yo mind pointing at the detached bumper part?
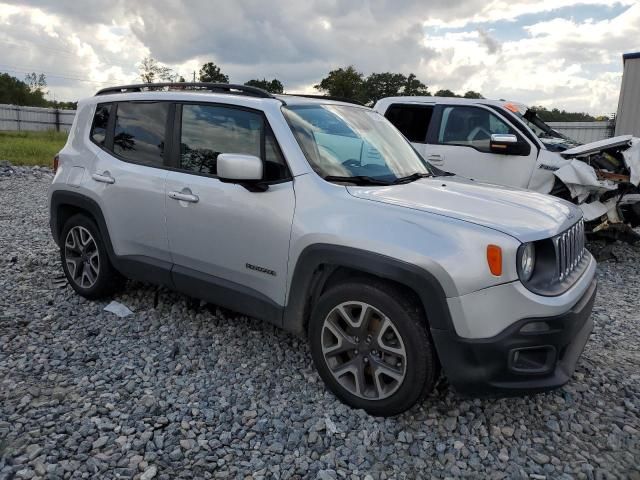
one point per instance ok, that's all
(535, 354)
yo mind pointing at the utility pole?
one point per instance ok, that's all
(194, 76)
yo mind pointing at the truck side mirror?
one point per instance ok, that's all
(507, 144)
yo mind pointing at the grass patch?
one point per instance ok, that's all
(31, 148)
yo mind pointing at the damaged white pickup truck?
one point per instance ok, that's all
(505, 143)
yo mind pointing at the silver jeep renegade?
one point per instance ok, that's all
(317, 215)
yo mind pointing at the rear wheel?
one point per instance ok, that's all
(84, 259)
(370, 344)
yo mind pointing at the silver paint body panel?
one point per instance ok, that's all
(442, 225)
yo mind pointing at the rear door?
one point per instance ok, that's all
(413, 120)
(129, 177)
(228, 235)
(459, 142)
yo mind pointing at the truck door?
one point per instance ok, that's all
(459, 141)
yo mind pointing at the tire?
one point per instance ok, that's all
(401, 366)
(85, 260)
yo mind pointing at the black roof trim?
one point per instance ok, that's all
(212, 87)
(327, 97)
(629, 56)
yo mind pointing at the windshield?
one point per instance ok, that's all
(539, 127)
(552, 139)
(345, 143)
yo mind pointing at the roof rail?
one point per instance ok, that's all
(327, 97)
(212, 87)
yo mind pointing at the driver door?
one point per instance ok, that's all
(459, 142)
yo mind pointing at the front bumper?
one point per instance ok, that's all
(514, 361)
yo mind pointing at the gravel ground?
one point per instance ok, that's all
(180, 390)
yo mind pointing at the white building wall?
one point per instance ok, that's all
(584, 132)
(628, 117)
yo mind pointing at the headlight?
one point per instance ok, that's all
(526, 261)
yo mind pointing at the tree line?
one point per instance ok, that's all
(557, 115)
(28, 93)
(344, 82)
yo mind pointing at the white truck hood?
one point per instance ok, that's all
(595, 147)
(522, 214)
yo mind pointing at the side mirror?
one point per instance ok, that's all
(239, 168)
(508, 144)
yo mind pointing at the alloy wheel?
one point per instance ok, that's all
(82, 257)
(363, 350)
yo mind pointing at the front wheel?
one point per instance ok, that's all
(370, 344)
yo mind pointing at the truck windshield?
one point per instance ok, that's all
(354, 144)
(539, 127)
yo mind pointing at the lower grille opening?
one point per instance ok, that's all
(532, 360)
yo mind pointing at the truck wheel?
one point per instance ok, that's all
(370, 344)
(85, 261)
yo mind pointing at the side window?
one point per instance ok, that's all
(140, 132)
(470, 126)
(412, 120)
(100, 122)
(209, 130)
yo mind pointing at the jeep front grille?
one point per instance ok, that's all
(570, 249)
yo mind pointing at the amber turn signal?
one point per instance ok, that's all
(494, 259)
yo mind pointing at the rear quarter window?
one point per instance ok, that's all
(100, 121)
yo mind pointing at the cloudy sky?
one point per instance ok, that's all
(564, 53)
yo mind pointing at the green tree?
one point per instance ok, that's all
(414, 87)
(150, 70)
(344, 82)
(210, 72)
(445, 93)
(63, 105)
(557, 115)
(273, 86)
(380, 85)
(16, 92)
(36, 83)
(472, 94)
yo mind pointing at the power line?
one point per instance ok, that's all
(40, 45)
(22, 69)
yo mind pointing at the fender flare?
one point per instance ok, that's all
(306, 275)
(60, 198)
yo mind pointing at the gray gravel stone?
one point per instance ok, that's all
(181, 389)
(149, 473)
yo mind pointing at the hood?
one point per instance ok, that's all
(522, 214)
(600, 145)
(557, 144)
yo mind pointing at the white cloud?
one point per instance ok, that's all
(560, 61)
(497, 10)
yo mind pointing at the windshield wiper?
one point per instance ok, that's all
(357, 180)
(411, 178)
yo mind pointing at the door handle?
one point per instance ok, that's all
(435, 158)
(184, 196)
(104, 177)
